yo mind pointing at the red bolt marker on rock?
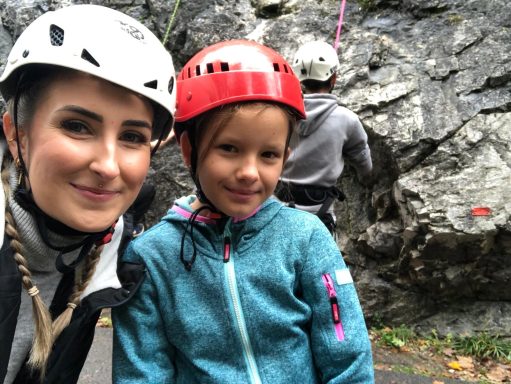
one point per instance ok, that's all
(481, 211)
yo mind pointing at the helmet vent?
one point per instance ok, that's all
(224, 67)
(285, 68)
(210, 68)
(151, 84)
(322, 59)
(88, 57)
(197, 70)
(171, 85)
(56, 35)
(276, 67)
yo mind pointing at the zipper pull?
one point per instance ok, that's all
(227, 249)
(335, 310)
(332, 295)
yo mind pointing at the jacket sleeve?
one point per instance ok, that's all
(141, 353)
(339, 338)
(356, 150)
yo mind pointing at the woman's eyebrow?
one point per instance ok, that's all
(94, 116)
(137, 123)
(82, 111)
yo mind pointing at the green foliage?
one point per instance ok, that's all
(455, 19)
(395, 337)
(436, 343)
(484, 345)
(377, 321)
(367, 5)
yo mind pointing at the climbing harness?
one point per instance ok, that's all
(308, 195)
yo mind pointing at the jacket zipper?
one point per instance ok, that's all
(230, 274)
(334, 306)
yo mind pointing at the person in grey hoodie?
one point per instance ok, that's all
(329, 135)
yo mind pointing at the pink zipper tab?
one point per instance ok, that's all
(334, 306)
(227, 249)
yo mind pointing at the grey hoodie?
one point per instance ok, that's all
(328, 135)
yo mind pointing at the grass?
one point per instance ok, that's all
(484, 346)
(479, 346)
(481, 358)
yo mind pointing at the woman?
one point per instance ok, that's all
(87, 90)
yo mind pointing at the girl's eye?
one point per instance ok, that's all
(227, 147)
(270, 155)
(75, 126)
(135, 137)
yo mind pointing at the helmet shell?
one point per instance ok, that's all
(102, 42)
(236, 71)
(315, 60)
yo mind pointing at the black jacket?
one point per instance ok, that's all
(71, 348)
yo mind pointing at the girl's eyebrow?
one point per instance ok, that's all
(94, 116)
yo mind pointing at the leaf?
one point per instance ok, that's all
(104, 322)
(455, 365)
(499, 374)
(466, 362)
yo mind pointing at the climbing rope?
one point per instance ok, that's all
(339, 25)
(169, 25)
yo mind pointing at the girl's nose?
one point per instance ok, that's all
(248, 170)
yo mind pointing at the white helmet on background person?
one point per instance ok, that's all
(102, 42)
(315, 60)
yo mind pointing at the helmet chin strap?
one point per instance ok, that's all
(201, 196)
(16, 99)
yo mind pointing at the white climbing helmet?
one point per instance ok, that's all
(102, 42)
(315, 60)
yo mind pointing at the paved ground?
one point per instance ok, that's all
(98, 368)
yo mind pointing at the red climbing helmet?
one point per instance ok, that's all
(234, 71)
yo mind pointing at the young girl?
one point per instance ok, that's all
(238, 287)
(87, 90)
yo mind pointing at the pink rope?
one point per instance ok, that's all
(339, 25)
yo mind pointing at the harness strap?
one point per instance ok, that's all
(309, 195)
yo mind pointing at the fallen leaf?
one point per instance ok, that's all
(455, 365)
(466, 362)
(499, 374)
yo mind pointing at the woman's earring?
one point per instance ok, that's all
(19, 169)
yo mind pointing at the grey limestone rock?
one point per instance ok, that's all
(431, 83)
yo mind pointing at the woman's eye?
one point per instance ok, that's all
(135, 137)
(75, 126)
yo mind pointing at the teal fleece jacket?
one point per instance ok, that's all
(268, 300)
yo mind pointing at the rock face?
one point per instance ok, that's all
(431, 82)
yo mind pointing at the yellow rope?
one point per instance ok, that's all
(171, 21)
